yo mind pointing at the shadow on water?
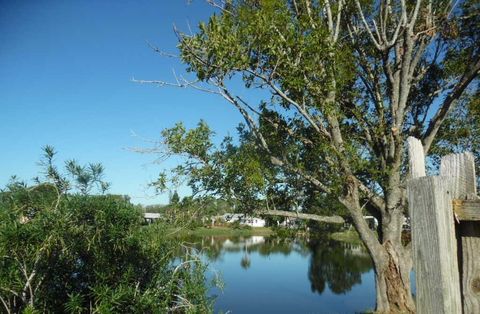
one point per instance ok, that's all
(289, 275)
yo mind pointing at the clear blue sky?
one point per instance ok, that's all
(65, 80)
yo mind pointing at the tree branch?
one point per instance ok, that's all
(367, 27)
(448, 104)
(283, 213)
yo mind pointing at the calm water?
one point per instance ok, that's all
(272, 275)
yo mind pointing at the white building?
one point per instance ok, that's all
(372, 222)
(244, 220)
(234, 217)
(255, 222)
(151, 217)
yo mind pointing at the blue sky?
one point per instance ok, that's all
(65, 80)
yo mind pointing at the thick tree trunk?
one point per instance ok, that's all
(392, 276)
(392, 265)
(392, 261)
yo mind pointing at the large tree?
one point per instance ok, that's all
(344, 83)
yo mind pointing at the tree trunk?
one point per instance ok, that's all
(392, 261)
(392, 277)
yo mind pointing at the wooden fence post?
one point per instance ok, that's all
(433, 238)
(416, 158)
(461, 168)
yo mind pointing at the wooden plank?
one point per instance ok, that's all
(416, 158)
(434, 246)
(467, 210)
(461, 167)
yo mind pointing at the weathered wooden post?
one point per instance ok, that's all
(461, 168)
(433, 238)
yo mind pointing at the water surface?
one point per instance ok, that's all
(273, 275)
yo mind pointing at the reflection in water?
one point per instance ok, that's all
(338, 265)
(334, 264)
(245, 262)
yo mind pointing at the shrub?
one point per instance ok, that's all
(91, 253)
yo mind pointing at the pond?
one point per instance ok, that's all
(274, 275)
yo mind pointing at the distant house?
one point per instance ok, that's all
(372, 222)
(151, 217)
(244, 220)
(255, 222)
(234, 217)
(289, 222)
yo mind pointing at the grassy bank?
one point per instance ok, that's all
(349, 236)
(224, 231)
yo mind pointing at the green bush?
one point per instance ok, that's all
(238, 226)
(79, 254)
(285, 232)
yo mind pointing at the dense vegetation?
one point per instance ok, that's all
(64, 250)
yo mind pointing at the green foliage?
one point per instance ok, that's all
(236, 225)
(285, 232)
(262, 35)
(79, 253)
(244, 178)
(234, 173)
(288, 50)
(83, 178)
(175, 199)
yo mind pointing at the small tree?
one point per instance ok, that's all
(175, 199)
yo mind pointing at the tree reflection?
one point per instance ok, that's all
(334, 264)
(338, 265)
(246, 261)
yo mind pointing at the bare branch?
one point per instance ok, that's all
(309, 13)
(414, 16)
(301, 109)
(367, 27)
(287, 166)
(339, 18)
(329, 16)
(219, 5)
(181, 83)
(161, 52)
(225, 93)
(377, 201)
(400, 24)
(7, 309)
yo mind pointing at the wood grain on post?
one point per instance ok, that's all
(467, 210)
(434, 246)
(433, 237)
(461, 167)
(416, 158)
